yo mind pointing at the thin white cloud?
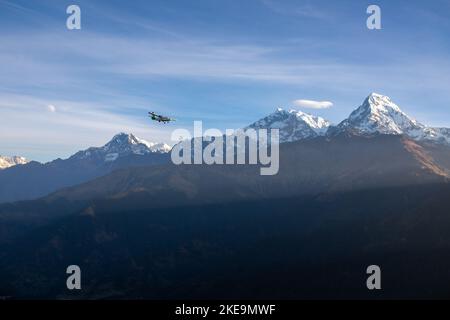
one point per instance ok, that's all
(15, 6)
(312, 104)
(305, 10)
(98, 55)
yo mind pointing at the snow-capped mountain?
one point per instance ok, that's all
(6, 162)
(379, 115)
(121, 145)
(293, 124)
(34, 179)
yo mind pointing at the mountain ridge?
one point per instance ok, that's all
(294, 125)
(378, 114)
(34, 179)
(317, 166)
(122, 144)
(164, 231)
(342, 163)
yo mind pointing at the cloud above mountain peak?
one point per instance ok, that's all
(312, 104)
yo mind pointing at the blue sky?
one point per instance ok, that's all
(227, 63)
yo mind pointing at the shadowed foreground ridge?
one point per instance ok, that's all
(163, 232)
(301, 247)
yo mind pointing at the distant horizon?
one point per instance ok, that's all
(66, 90)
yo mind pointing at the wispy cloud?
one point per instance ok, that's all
(299, 10)
(94, 56)
(15, 6)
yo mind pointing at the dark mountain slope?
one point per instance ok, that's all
(36, 180)
(296, 247)
(306, 167)
(337, 205)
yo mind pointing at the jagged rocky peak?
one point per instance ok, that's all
(293, 124)
(379, 115)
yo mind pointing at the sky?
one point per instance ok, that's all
(226, 63)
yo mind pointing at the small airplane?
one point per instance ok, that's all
(159, 118)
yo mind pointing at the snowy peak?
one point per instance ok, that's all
(123, 143)
(380, 103)
(293, 125)
(122, 139)
(318, 124)
(120, 145)
(7, 162)
(378, 114)
(129, 143)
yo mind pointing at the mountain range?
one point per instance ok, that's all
(33, 179)
(372, 189)
(172, 232)
(127, 173)
(377, 115)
